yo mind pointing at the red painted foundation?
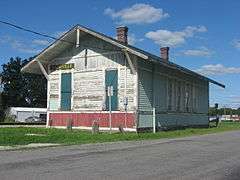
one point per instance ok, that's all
(87, 119)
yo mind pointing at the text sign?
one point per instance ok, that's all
(61, 67)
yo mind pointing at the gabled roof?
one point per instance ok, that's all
(69, 39)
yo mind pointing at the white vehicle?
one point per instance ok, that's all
(26, 114)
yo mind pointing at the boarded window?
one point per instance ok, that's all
(170, 94)
(178, 87)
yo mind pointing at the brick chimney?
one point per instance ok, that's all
(122, 33)
(164, 53)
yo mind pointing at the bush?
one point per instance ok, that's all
(9, 119)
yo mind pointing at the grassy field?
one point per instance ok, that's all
(23, 136)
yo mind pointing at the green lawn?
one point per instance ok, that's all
(18, 136)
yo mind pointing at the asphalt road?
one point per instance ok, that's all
(215, 156)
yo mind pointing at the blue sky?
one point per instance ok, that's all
(203, 35)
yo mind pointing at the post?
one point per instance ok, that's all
(154, 120)
(77, 38)
(125, 107)
(110, 93)
(43, 70)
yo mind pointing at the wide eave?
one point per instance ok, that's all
(69, 39)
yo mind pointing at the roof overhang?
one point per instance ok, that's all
(188, 72)
(70, 38)
(67, 40)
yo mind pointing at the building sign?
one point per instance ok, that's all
(61, 67)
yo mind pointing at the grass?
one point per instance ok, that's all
(17, 136)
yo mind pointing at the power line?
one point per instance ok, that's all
(31, 31)
(49, 36)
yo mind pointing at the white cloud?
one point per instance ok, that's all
(132, 39)
(217, 69)
(174, 38)
(40, 42)
(202, 51)
(236, 43)
(19, 45)
(137, 14)
(27, 46)
(22, 47)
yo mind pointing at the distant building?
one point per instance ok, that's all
(22, 114)
(230, 118)
(85, 69)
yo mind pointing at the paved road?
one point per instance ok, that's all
(215, 156)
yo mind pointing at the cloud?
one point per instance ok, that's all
(44, 42)
(174, 38)
(19, 45)
(133, 40)
(28, 46)
(22, 47)
(40, 42)
(217, 69)
(236, 43)
(202, 52)
(137, 14)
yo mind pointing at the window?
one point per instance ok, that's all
(194, 98)
(178, 96)
(181, 96)
(170, 94)
(187, 97)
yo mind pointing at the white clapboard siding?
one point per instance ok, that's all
(130, 93)
(53, 91)
(88, 90)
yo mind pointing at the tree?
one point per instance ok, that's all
(20, 89)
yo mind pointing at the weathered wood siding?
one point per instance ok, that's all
(88, 90)
(91, 59)
(165, 89)
(54, 91)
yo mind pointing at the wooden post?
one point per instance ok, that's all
(129, 62)
(77, 38)
(110, 93)
(43, 70)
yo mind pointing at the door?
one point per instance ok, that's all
(111, 79)
(66, 91)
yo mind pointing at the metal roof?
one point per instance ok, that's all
(68, 39)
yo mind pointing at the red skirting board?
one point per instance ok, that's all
(87, 119)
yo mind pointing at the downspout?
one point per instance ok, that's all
(125, 93)
(153, 99)
(137, 94)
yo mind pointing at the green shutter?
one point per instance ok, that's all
(66, 91)
(111, 79)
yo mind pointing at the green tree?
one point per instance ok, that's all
(20, 89)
